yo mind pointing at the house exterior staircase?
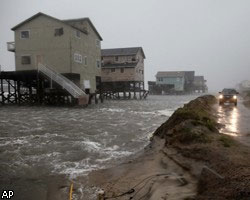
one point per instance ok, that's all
(65, 83)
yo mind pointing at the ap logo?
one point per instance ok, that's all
(7, 194)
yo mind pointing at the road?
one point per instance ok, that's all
(236, 121)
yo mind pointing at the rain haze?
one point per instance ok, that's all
(124, 99)
(211, 37)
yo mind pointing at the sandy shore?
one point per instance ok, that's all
(151, 173)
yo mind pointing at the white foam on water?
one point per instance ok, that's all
(142, 113)
(119, 154)
(114, 125)
(53, 154)
(105, 133)
(20, 141)
(112, 110)
(90, 146)
(3, 121)
(103, 160)
(75, 169)
(166, 112)
(6, 143)
(85, 166)
(74, 172)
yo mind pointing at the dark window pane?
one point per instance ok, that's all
(58, 31)
(78, 34)
(25, 34)
(25, 60)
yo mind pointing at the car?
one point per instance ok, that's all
(228, 95)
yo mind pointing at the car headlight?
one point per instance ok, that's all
(221, 96)
(235, 97)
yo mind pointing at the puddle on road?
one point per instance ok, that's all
(235, 121)
(228, 116)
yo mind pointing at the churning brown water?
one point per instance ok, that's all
(39, 144)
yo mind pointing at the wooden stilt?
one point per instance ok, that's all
(18, 93)
(15, 92)
(96, 100)
(2, 92)
(30, 94)
(140, 90)
(134, 90)
(101, 97)
(8, 96)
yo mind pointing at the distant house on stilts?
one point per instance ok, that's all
(123, 73)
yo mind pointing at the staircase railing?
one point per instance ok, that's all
(67, 84)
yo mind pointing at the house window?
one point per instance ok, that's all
(116, 58)
(58, 31)
(78, 34)
(26, 60)
(133, 59)
(25, 34)
(160, 79)
(113, 70)
(98, 43)
(85, 60)
(78, 58)
(122, 70)
(98, 63)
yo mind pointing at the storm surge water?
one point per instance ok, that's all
(39, 142)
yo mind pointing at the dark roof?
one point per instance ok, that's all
(189, 75)
(151, 83)
(67, 22)
(120, 65)
(170, 74)
(71, 21)
(199, 78)
(122, 51)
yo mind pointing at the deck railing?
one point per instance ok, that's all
(11, 46)
(67, 84)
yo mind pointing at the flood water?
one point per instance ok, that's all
(38, 142)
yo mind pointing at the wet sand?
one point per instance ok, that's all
(151, 175)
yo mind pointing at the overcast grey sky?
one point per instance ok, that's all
(211, 37)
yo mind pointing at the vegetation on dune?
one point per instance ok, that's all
(226, 141)
(194, 133)
(188, 135)
(199, 117)
(191, 124)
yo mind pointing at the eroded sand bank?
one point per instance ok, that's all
(188, 158)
